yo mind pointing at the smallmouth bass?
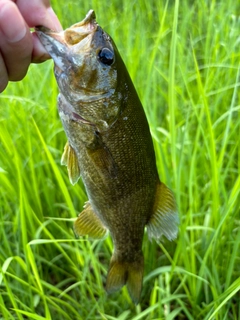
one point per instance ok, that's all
(110, 147)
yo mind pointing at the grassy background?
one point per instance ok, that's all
(184, 60)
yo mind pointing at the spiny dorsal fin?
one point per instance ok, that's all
(164, 220)
(69, 159)
(89, 224)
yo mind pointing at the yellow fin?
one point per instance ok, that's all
(89, 224)
(164, 220)
(129, 273)
(69, 159)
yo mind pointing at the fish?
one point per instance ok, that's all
(109, 145)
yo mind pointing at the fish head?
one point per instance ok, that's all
(86, 69)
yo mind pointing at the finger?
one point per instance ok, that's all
(39, 53)
(15, 41)
(39, 12)
(36, 12)
(3, 75)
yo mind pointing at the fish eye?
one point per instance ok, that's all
(106, 56)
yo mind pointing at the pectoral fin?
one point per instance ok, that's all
(89, 224)
(103, 160)
(69, 159)
(164, 220)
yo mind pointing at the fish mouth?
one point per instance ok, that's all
(59, 45)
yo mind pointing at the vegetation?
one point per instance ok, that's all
(183, 57)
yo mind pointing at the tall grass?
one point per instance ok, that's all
(183, 57)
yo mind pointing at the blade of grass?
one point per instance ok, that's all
(171, 91)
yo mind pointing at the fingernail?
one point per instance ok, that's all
(12, 24)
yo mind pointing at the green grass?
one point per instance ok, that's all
(183, 57)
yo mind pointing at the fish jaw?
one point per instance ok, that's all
(54, 47)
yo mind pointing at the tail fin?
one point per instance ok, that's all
(129, 273)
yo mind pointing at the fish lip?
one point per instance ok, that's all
(47, 35)
(43, 29)
(89, 19)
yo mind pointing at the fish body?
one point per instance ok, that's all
(110, 147)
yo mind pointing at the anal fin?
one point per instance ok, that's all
(69, 159)
(164, 220)
(89, 224)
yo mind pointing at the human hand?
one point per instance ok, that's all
(18, 46)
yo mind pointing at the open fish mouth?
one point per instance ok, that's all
(75, 33)
(60, 44)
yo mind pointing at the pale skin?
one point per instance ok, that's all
(18, 45)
